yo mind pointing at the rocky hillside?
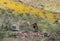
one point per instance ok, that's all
(51, 5)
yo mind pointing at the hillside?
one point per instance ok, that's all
(29, 20)
(19, 7)
(51, 5)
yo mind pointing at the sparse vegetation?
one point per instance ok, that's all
(24, 16)
(25, 24)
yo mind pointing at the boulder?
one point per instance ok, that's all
(15, 27)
